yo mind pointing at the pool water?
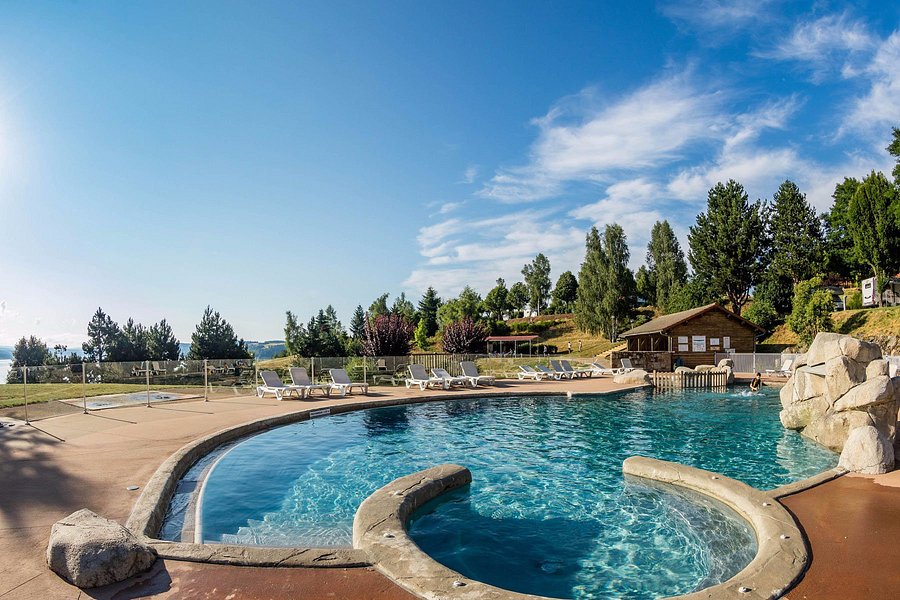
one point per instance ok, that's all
(548, 511)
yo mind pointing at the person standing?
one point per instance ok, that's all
(579, 346)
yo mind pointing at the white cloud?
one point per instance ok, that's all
(470, 174)
(713, 15)
(448, 207)
(577, 141)
(881, 104)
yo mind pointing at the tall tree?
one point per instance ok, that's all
(811, 311)
(495, 303)
(428, 311)
(30, 352)
(840, 257)
(387, 335)
(103, 334)
(467, 304)
(564, 294)
(796, 234)
(517, 298)
(162, 343)
(606, 286)
(894, 150)
(873, 226)
(729, 245)
(214, 338)
(356, 323)
(379, 306)
(644, 287)
(666, 267)
(463, 336)
(537, 280)
(294, 336)
(403, 307)
(131, 345)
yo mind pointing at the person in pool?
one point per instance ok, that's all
(756, 383)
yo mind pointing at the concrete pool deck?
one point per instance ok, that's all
(62, 464)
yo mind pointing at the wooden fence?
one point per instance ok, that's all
(690, 379)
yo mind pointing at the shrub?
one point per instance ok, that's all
(762, 313)
(463, 336)
(387, 335)
(854, 301)
(812, 310)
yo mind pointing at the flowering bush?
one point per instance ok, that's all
(387, 335)
(464, 336)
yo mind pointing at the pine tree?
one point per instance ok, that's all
(379, 306)
(162, 343)
(590, 285)
(428, 311)
(103, 334)
(131, 345)
(214, 338)
(874, 227)
(404, 308)
(840, 257)
(666, 267)
(294, 336)
(894, 150)
(537, 280)
(796, 235)
(606, 286)
(729, 245)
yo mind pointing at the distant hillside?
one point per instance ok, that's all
(6, 352)
(261, 350)
(880, 325)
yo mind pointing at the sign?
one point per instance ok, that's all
(726, 342)
(683, 347)
(698, 343)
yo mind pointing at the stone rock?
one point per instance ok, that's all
(800, 361)
(787, 393)
(884, 418)
(831, 430)
(823, 347)
(841, 374)
(726, 362)
(704, 368)
(638, 376)
(808, 384)
(800, 414)
(858, 350)
(683, 370)
(867, 451)
(877, 367)
(89, 550)
(729, 371)
(873, 391)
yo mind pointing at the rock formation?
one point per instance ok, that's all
(839, 385)
(89, 550)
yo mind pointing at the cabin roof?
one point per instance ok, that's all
(666, 322)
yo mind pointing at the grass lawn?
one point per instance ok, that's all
(11, 394)
(866, 322)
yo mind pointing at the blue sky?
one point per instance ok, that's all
(157, 157)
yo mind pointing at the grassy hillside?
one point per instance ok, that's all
(879, 324)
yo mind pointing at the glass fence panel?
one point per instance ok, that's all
(42, 392)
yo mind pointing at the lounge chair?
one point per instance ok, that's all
(556, 366)
(579, 372)
(598, 369)
(340, 381)
(526, 372)
(157, 370)
(300, 380)
(449, 379)
(418, 376)
(272, 384)
(626, 365)
(470, 372)
(784, 371)
(549, 373)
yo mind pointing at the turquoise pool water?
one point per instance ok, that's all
(548, 511)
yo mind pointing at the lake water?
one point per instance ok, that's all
(5, 365)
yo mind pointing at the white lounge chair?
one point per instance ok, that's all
(300, 380)
(272, 384)
(340, 381)
(555, 365)
(418, 376)
(784, 371)
(579, 372)
(626, 365)
(526, 372)
(470, 372)
(448, 378)
(549, 373)
(598, 369)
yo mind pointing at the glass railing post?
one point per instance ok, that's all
(147, 371)
(205, 381)
(25, 390)
(84, 388)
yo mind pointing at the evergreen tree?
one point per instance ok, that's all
(840, 258)
(421, 336)
(666, 267)
(294, 336)
(379, 307)
(495, 303)
(332, 337)
(537, 280)
(564, 294)
(591, 286)
(606, 286)
(30, 352)
(729, 245)
(428, 311)
(796, 234)
(894, 150)
(404, 308)
(214, 338)
(517, 298)
(131, 345)
(874, 227)
(162, 343)
(644, 287)
(697, 291)
(356, 323)
(103, 334)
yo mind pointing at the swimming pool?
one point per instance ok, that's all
(548, 511)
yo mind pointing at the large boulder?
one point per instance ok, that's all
(831, 430)
(823, 347)
(868, 451)
(809, 382)
(877, 367)
(726, 362)
(786, 394)
(800, 414)
(879, 390)
(858, 350)
(635, 377)
(704, 368)
(89, 551)
(683, 370)
(841, 374)
(729, 378)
